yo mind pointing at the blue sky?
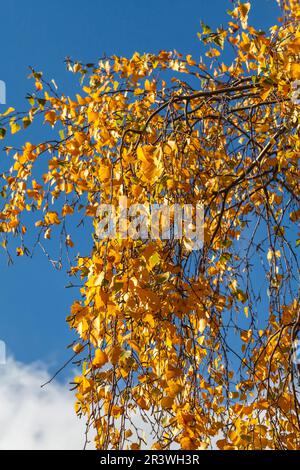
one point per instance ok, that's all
(33, 299)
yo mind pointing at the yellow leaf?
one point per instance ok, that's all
(167, 402)
(142, 403)
(69, 241)
(81, 101)
(295, 71)
(26, 122)
(173, 372)
(8, 111)
(67, 210)
(117, 411)
(244, 9)
(51, 117)
(47, 234)
(202, 325)
(151, 164)
(85, 385)
(213, 52)
(189, 60)
(14, 127)
(221, 443)
(246, 335)
(135, 446)
(187, 443)
(149, 319)
(78, 348)
(105, 173)
(20, 251)
(100, 359)
(294, 216)
(51, 218)
(134, 345)
(266, 93)
(173, 389)
(92, 115)
(149, 86)
(38, 85)
(115, 355)
(153, 260)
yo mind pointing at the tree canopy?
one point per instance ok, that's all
(197, 343)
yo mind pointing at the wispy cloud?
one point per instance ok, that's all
(36, 418)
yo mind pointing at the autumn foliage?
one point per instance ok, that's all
(197, 343)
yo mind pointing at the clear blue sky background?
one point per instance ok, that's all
(33, 300)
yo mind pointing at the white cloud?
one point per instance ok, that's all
(36, 418)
